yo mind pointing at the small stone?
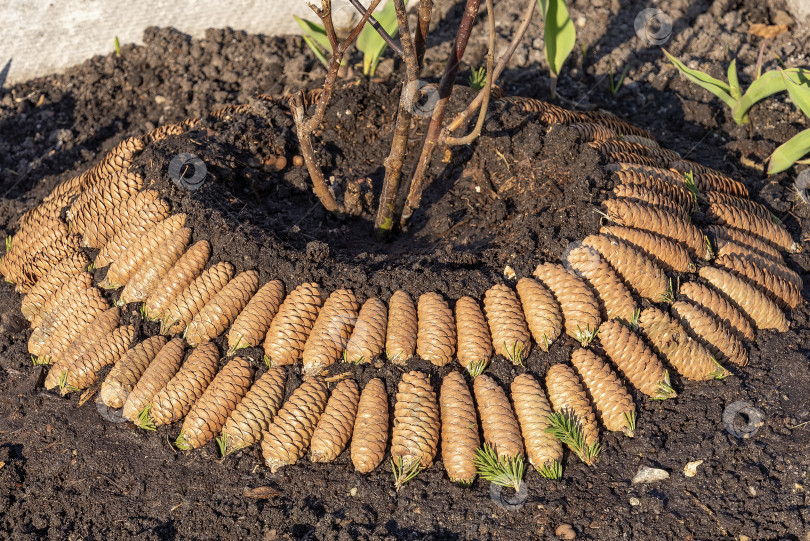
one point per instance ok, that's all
(635, 502)
(160, 100)
(645, 474)
(353, 492)
(690, 470)
(565, 531)
(509, 273)
(744, 538)
(298, 161)
(581, 22)
(752, 491)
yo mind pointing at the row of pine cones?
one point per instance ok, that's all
(596, 291)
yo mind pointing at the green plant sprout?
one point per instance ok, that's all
(559, 36)
(478, 78)
(371, 43)
(616, 84)
(117, 47)
(315, 37)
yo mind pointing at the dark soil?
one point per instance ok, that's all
(517, 197)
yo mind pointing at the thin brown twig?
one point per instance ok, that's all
(380, 30)
(422, 29)
(308, 153)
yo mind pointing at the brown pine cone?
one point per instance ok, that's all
(256, 411)
(46, 287)
(176, 399)
(288, 436)
(75, 285)
(614, 123)
(159, 372)
(460, 438)
(218, 314)
(127, 371)
(143, 208)
(569, 398)
(66, 322)
(671, 342)
(148, 277)
(639, 272)
(657, 221)
(285, 341)
(103, 325)
(664, 184)
(416, 425)
(663, 155)
(501, 429)
(579, 307)
(125, 262)
(589, 131)
(400, 339)
(719, 306)
(756, 305)
(188, 303)
(766, 264)
(636, 193)
(610, 397)
(30, 239)
(741, 203)
(206, 419)
(510, 333)
(44, 260)
(253, 322)
(330, 334)
(102, 197)
(83, 372)
(370, 433)
(543, 313)
(721, 235)
(670, 254)
(180, 276)
(709, 180)
(127, 237)
(533, 410)
(711, 332)
(614, 298)
(634, 358)
(335, 425)
(782, 291)
(763, 228)
(436, 334)
(633, 158)
(368, 338)
(474, 343)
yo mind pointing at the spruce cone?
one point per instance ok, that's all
(206, 419)
(589, 131)
(416, 423)
(83, 372)
(642, 368)
(127, 237)
(719, 306)
(741, 203)
(67, 321)
(532, 408)
(510, 333)
(370, 428)
(142, 209)
(658, 221)
(755, 225)
(763, 312)
(543, 313)
(43, 261)
(711, 332)
(400, 338)
(671, 341)
(474, 343)
(100, 198)
(103, 325)
(569, 398)
(188, 303)
(159, 372)
(664, 155)
(633, 158)
(75, 285)
(709, 180)
(640, 273)
(501, 429)
(335, 425)
(148, 277)
(179, 277)
(330, 334)
(610, 396)
(253, 322)
(636, 193)
(722, 235)
(664, 184)
(288, 436)
(59, 275)
(128, 261)
(615, 299)
(218, 314)
(284, 343)
(368, 338)
(175, 400)
(769, 265)
(436, 335)
(28, 242)
(127, 371)
(256, 411)
(777, 288)
(668, 253)
(578, 304)
(459, 429)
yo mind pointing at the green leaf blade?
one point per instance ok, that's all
(559, 33)
(789, 153)
(705, 81)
